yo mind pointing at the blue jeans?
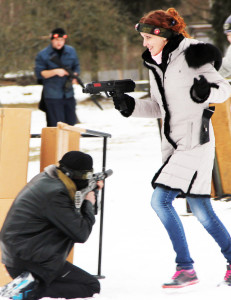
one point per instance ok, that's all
(161, 202)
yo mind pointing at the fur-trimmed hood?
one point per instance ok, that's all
(200, 54)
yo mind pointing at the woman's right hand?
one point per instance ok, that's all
(124, 103)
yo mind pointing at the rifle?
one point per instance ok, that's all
(55, 59)
(92, 185)
(112, 88)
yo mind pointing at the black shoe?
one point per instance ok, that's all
(22, 287)
(182, 278)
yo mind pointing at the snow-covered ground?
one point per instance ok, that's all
(137, 256)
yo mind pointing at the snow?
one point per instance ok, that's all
(29, 94)
(137, 256)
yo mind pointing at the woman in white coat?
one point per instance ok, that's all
(184, 80)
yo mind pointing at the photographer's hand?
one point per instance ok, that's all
(91, 197)
(100, 184)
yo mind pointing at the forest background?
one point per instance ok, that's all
(101, 31)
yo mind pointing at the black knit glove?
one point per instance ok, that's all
(124, 103)
(201, 87)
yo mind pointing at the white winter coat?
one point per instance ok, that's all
(187, 165)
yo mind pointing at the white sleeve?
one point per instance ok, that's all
(146, 108)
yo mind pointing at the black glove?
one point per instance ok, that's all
(124, 103)
(201, 87)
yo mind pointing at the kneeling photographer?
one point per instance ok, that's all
(41, 228)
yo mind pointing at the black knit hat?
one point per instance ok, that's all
(74, 161)
(58, 32)
(77, 160)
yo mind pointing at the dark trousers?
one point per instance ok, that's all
(72, 282)
(60, 110)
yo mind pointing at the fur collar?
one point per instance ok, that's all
(53, 172)
(69, 184)
(200, 54)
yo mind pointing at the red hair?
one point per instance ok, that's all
(169, 19)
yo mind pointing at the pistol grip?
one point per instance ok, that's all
(121, 102)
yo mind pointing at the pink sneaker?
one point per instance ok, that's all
(227, 279)
(182, 278)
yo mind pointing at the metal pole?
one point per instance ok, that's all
(102, 212)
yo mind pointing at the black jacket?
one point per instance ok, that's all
(42, 225)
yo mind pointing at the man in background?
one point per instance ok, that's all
(58, 93)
